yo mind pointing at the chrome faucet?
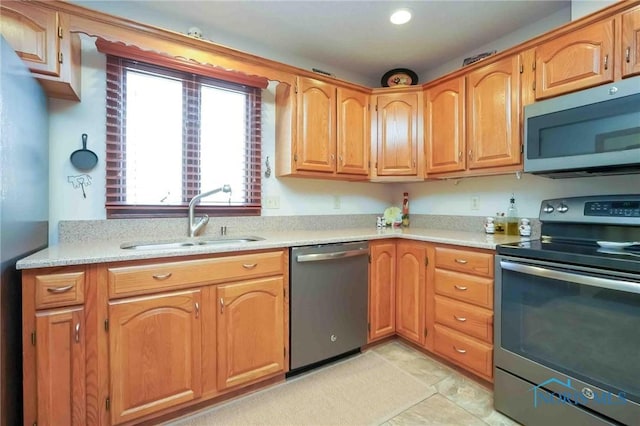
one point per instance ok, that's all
(195, 227)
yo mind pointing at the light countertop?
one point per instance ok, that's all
(110, 251)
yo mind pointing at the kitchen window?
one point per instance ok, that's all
(174, 132)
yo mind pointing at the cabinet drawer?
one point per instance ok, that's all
(463, 350)
(150, 278)
(467, 288)
(471, 262)
(468, 319)
(59, 290)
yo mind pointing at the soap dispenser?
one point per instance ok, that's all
(512, 217)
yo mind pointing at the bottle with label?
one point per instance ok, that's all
(512, 217)
(405, 210)
(499, 223)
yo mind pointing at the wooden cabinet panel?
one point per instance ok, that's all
(464, 260)
(631, 42)
(154, 277)
(316, 125)
(54, 290)
(493, 114)
(468, 319)
(397, 134)
(382, 289)
(155, 353)
(353, 134)
(33, 34)
(464, 287)
(250, 331)
(445, 126)
(465, 351)
(580, 59)
(410, 285)
(60, 360)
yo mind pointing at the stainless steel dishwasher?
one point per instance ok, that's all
(328, 302)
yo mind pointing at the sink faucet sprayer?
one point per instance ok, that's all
(195, 227)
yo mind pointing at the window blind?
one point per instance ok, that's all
(202, 154)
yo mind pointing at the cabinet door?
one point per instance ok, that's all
(353, 127)
(397, 134)
(410, 290)
(493, 114)
(155, 353)
(33, 34)
(580, 59)
(250, 330)
(316, 126)
(631, 42)
(60, 365)
(382, 289)
(444, 127)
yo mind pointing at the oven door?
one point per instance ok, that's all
(574, 331)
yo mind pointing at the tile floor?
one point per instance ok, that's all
(456, 399)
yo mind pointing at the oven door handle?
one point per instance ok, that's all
(611, 284)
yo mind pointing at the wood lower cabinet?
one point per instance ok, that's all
(155, 353)
(60, 374)
(41, 37)
(410, 290)
(382, 289)
(250, 331)
(577, 60)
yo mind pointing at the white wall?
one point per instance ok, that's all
(580, 8)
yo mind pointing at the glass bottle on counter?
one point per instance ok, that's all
(405, 210)
(512, 217)
(499, 223)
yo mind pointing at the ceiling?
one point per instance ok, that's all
(355, 37)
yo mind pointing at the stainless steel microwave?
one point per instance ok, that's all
(595, 131)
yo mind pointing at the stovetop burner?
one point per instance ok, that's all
(571, 228)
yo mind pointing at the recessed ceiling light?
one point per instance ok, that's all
(400, 16)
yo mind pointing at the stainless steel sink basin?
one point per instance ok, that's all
(185, 244)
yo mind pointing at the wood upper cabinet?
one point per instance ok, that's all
(353, 132)
(60, 374)
(155, 353)
(316, 118)
(577, 60)
(41, 37)
(631, 42)
(322, 130)
(382, 289)
(493, 114)
(399, 121)
(445, 126)
(410, 290)
(250, 330)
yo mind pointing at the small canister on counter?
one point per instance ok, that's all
(500, 223)
(525, 228)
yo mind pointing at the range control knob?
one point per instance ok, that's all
(563, 208)
(548, 208)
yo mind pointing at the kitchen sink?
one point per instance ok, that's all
(190, 243)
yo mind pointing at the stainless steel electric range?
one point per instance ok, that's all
(567, 326)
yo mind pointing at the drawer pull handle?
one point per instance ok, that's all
(163, 277)
(460, 287)
(461, 261)
(627, 54)
(77, 333)
(460, 351)
(461, 319)
(606, 62)
(197, 306)
(249, 265)
(221, 305)
(58, 290)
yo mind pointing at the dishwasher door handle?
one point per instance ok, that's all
(316, 257)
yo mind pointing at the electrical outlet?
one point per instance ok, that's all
(475, 203)
(336, 202)
(271, 202)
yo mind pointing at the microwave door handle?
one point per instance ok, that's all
(619, 285)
